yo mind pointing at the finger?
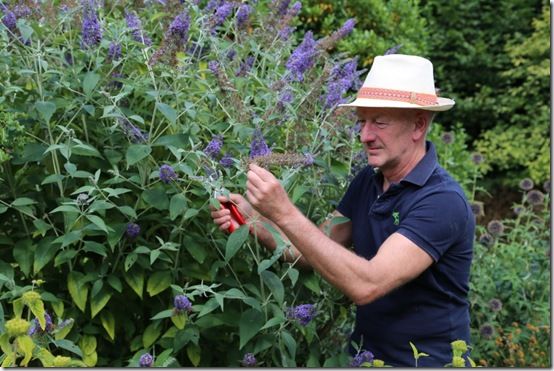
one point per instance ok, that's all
(262, 173)
(225, 226)
(254, 178)
(220, 213)
(222, 220)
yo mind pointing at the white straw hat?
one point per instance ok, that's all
(400, 81)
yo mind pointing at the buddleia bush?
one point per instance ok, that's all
(129, 117)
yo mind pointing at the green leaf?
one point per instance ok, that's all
(128, 211)
(175, 140)
(235, 241)
(158, 282)
(53, 178)
(37, 308)
(179, 320)
(96, 220)
(177, 205)
(137, 152)
(87, 343)
(169, 113)
(98, 302)
(23, 201)
(250, 323)
(77, 289)
(163, 314)
(312, 283)
(273, 322)
(62, 333)
(23, 255)
(130, 260)
(41, 226)
(275, 285)
(290, 343)
(26, 345)
(86, 150)
(68, 345)
(45, 110)
(95, 247)
(150, 335)
(135, 279)
(156, 197)
(44, 253)
(65, 208)
(194, 352)
(89, 82)
(154, 254)
(108, 322)
(115, 282)
(293, 275)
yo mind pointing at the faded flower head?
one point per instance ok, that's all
(486, 240)
(478, 208)
(447, 137)
(477, 158)
(486, 331)
(329, 42)
(146, 360)
(258, 147)
(167, 174)
(495, 305)
(302, 58)
(214, 146)
(36, 328)
(182, 303)
(535, 197)
(132, 230)
(82, 199)
(249, 360)
(308, 159)
(361, 358)
(526, 184)
(303, 313)
(495, 227)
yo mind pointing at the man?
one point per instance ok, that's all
(409, 222)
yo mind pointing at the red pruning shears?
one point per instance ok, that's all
(214, 181)
(235, 214)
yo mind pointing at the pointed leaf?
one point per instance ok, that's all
(89, 82)
(99, 301)
(68, 345)
(169, 113)
(158, 282)
(275, 285)
(193, 352)
(77, 289)
(177, 205)
(137, 152)
(108, 322)
(135, 279)
(26, 345)
(150, 335)
(163, 314)
(45, 110)
(179, 320)
(250, 323)
(235, 241)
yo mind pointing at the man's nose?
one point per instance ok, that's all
(367, 133)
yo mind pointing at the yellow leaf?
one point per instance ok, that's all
(150, 335)
(78, 290)
(87, 344)
(45, 357)
(158, 282)
(179, 320)
(58, 308)
(9, 360)
(90, 359)
(98, 302)
(135, 279)
(37, 307)
(108, 322)
(26, 345)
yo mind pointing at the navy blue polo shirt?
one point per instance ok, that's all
(429, 208)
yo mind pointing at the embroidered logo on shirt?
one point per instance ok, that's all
(396, 217)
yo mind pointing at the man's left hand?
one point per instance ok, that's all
(267, 195)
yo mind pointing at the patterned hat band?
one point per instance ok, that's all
(421, 99)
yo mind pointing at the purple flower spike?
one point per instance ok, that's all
(214, 147)
(114, 51)
(135, 25)
(167, 174)
(182, 303)
(37, 329)
(302, 58)
(242, 15)
(146, 360)
(222, 13)
(365, 356)
(9, 20)
(303, 313)
(226, 160)
(180, 26)
(132, 231)
(259, 147)
(249, 360)
(91, 30)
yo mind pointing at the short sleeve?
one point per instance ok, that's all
(436, 222)
(352, 195)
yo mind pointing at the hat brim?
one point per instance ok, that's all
(443, 104)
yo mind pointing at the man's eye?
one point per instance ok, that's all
(381, 125)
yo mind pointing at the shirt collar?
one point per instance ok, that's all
(424, 168)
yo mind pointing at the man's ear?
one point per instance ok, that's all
(421, 123)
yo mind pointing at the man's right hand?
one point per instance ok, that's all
(222, 217)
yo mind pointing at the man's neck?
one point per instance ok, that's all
(399, 172)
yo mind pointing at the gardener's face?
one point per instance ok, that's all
(387, 135)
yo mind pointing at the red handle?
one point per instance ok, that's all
(235, 214)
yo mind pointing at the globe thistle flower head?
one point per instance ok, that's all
(495, 305)
(495, 227)
(114, 51)
(242, 15)
(518, 210)
(146, 360)
(258, 147)
(486, 331)
(214, 146)
(226, 160)
(478, 208)
(249, 360)
(486, 240)
(477, 158)
(361, 358)
(302, 58)
(546, 186)
(303, 313)
(182, 303)
(526, 184)
(535, 197)
(447, 137)
(132, 230)
(167, 174)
